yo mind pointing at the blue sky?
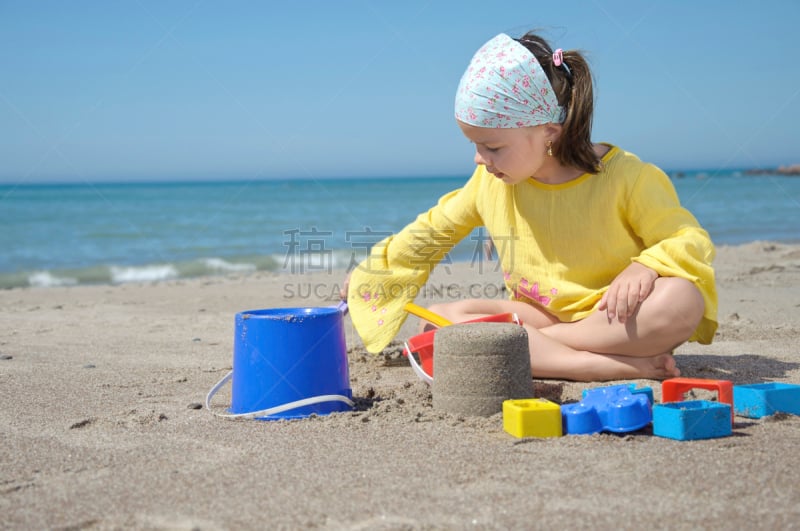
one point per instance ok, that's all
(100, 91)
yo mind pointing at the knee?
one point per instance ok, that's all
(679, 306)
(452, 311)
(446, 310)
(442, 309)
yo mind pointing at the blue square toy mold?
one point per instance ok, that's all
(765, 399)
(692, 419)
(615, 408)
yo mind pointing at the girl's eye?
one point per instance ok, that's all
(492, 150)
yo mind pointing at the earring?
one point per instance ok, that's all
(549, 148)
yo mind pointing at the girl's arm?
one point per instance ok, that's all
(398, 267)
(675, 243)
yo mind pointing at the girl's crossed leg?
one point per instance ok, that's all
(596, 348)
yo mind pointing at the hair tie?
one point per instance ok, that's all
(558, 57)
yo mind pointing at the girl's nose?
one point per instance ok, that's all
(479, 159)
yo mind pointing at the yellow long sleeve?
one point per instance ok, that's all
(398, 267)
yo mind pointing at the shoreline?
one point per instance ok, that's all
(100, 383)
(208, 268)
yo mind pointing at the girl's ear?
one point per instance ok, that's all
(552, 132)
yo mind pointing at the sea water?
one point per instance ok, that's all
(86, 233)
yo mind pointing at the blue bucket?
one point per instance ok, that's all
(289, 363)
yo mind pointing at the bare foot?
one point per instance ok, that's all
(552, 359)
(664, 366)
(590, 367)
(615, 367)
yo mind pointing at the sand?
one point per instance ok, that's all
(99, 387)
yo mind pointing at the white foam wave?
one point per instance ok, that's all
(45, 279)
(218, 264)
(143, 274)
(318, 261)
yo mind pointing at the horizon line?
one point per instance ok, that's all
(220, 179)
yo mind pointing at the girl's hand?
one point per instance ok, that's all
(627, 291)
(343, 289)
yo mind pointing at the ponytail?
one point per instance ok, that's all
(572, 84)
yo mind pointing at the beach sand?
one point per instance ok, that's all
(98, 386)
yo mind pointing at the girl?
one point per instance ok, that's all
(604, 267)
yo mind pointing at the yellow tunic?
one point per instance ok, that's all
(559, 246)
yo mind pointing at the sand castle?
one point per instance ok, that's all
(478, 366)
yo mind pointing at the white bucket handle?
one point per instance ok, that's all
(424, 376)
(275, 409)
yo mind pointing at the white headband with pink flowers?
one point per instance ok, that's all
(504, 87)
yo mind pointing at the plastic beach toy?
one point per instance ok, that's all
(424, 313)
(692, 420)
(532, 417)
(762, 400)
(615, 408)
(422, 345)
(673, 390)
(288, 363)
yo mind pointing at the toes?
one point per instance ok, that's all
(666, 366)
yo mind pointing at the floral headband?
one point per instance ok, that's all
(504, 87)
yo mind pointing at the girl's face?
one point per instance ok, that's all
(513, 155)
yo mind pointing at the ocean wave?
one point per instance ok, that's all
(301, 263)
(125, 274)
(218, 264)
(45, 279)
(150, 273)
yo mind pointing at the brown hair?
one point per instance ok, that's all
(572, 84)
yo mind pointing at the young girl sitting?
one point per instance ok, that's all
(604, 267)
